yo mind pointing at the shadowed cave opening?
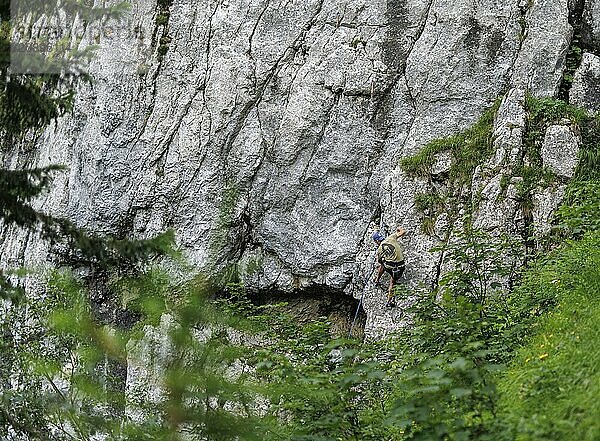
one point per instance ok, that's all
(310, 304)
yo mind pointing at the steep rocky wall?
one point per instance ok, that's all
(269, 131)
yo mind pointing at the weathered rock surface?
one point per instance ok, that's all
(545, 203)
(560, 150)
(270, 131)
(590, 31)
(498, 208)
(147, 361)
(585, 91)
(546, 36)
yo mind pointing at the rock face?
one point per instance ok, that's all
(585, 91)
(498, 208)
(560, 149)
(268, 132)
(591, 22)
(147, 360)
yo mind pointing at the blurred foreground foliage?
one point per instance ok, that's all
(202, 363)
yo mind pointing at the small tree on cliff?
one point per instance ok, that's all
(28, 103)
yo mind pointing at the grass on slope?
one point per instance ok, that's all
(552, 389)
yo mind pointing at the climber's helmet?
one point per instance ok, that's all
(378, 237)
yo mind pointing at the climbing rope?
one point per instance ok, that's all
(362, 296)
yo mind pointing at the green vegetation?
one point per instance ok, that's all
(162, 19)
(481, 360)
(551, 388)
(163, 15)
(470, 367)
(544, 331)
(474, 146)
(222, 245)
(572, 62)
(431, 205)
(579, 210)
(468, 149)
(541, 113)
(28, 103)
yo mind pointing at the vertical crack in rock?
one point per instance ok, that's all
(375, 219)
(541, 61)
(163, 147)
(256, 23)
(287, 103)
(238, 120)
(157, 70)
(523, 25)
(200, 90)
(590, 20)
(208, 67)
(439, 265)
(399, 67)
(240, 114)
(522, 11)
(409, 91)
(576, 47)
(417, 37)
(318, 139)
(395, 56)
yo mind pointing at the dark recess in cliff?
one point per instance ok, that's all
(311, 304)
(583, 41)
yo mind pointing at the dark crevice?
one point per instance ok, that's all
(438, 270)
(581, 42)
(107, 310)
(527, 236)
(575, 51)
(396, 58)
(258, 20)
(160, 44)
(375, 219)
(239, 118)
(581, 12)
(522, 20)
(247, 232)
(160, 159)
(317, 302)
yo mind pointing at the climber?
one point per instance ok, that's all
(391, 260)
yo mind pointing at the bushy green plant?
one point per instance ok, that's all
(572, 62)
(580, 211)
(78, 363)
(241, 371)
(457, 344)
(483, 265)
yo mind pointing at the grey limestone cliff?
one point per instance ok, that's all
(269, 132)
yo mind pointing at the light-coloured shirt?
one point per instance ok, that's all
(390, 250)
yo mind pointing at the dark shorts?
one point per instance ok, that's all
(394, 269)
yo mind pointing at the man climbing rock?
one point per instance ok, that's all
(391, 260)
